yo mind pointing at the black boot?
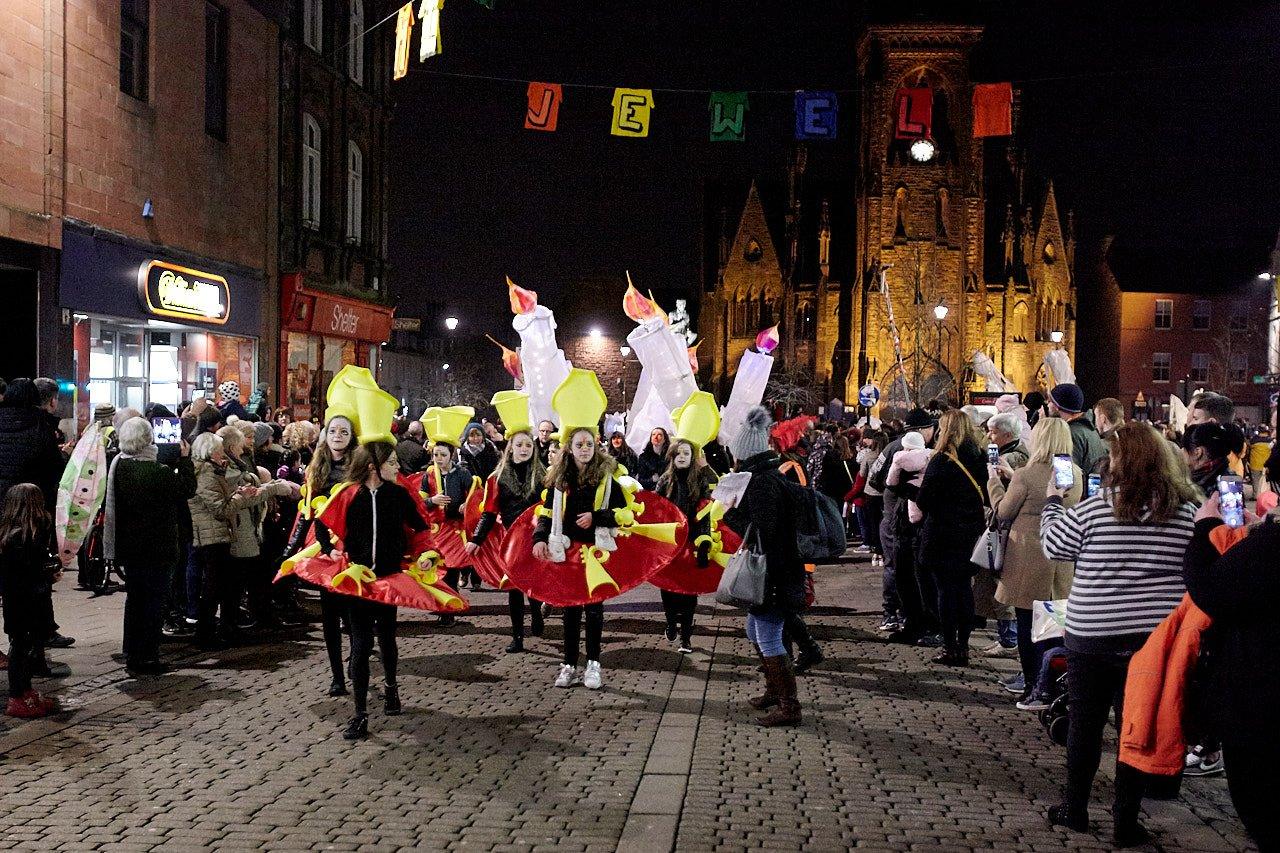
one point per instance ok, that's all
(810, 656)
(391, 700)
(358, 728)
(337, 687)
(516, 645)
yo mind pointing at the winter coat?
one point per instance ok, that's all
(149, 501)
(1015, 454)
(233, 407)
(1238, 590)
(953, 507)
(837, 475)
(1155, 692)
(578, 500)
(500, 502)
(29, 451)
(481, 463)
(679, 494)
(215, 505)
(1087, 447)
(650, 466)
(1029, 575)
(767, 507)
(25, 579)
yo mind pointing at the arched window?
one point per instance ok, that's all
(355, 192)
(942, 212)
(900, 212)
(753, 315)
(806, 321)
(1021, 323)
(355, 50)
(311, 171)
(738, 319)
(313, 24)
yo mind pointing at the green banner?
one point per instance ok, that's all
(728, 116)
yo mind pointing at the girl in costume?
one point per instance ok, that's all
(446, 486)
(585, 539)
(687, 483)
(379, 522)
(510, 490)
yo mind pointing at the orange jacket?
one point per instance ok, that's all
(1155, 692)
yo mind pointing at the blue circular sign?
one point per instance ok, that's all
(868, 395)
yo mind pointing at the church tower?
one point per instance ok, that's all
(919, 213)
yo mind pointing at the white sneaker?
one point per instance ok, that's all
(569, 675)
(591, 678)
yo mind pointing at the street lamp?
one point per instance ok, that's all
(1056, 336)
(451, 323)
(1264, 276)
(444, 366)
(625, 350)
(940, 311)
(595, 333)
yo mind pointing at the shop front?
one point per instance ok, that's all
(152, 326)
(321, 333)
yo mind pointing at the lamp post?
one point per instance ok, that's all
(940, 312)
(1056, 336)
(624, 351)
(451, 323)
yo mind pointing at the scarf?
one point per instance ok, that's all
(147, 454)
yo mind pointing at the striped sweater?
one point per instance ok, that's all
(1128, 577)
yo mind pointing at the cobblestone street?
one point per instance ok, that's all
(243, 750)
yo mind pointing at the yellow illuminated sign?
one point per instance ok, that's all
(168, 290)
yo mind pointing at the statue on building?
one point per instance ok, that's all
(680, 322)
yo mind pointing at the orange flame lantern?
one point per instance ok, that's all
(767, 341)
(522, 301)
(510, 361)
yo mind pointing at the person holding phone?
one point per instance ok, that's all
(1127, 543)
(1207, 448)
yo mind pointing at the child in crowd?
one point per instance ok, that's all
(25, 534)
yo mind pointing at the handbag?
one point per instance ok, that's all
(742, 584)
(988, 551)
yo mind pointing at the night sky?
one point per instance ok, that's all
(1156, 125)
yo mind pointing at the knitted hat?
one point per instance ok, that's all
(229, 390)
(1068, 397)
(918, 418)
(262, 434)
(753, 437)
(913, 441)
(104, 412)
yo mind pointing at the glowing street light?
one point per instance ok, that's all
(1264, 276)
(940, 311)
(595, 333)
(625, 350)
(444, 366)
(1056, 336)
(451, 323)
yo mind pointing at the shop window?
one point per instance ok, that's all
(215, 71)
(134, 18)
(355, 50)
(313, 24)
(1160, 367)
(311, 171)
(355, 192)
(1201, 314)
(1164, 313)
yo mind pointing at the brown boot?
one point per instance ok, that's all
(778, 670)
(770, 696)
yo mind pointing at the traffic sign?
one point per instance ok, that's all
(868, 395)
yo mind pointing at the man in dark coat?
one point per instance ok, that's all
(29, 451)
(410, 452)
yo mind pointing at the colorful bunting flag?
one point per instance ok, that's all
(913, 107)
(816, 114)
(429, 16)
(544, 106)
(631, 108)
(992, 109)
(728, 116)
(404, 31)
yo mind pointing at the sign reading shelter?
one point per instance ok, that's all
(346, 319)
(168, 290)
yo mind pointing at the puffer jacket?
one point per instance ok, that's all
(215, 507)
(29, 451)
(246, 527)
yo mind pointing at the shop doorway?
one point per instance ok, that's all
(19, 345)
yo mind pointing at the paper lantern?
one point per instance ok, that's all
(544, 364)
(748, 390)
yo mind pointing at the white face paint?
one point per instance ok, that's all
(583, 447)
(683, 456)
(442, 455)
(338, 436)
(521, 448)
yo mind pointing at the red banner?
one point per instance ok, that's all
(913, 108)
(992, 109)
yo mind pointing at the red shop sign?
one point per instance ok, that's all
(344, 319)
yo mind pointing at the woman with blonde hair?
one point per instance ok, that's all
(1127, 543)
(1028, 575)
(953, 499)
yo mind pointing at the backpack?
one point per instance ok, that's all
(820, 534)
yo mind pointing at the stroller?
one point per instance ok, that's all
(1054, 718)
(92, 567)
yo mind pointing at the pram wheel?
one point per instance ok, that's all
(1058, 730)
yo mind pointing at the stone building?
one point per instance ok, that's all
(972, 248)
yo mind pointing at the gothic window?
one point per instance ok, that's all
(991, 313)
(753, 252)
(900, 212)
(753, 315)
(807, 321)
(766, 312)
(1050, 253)
(942, 211)
(1021, 330)
(738, 319)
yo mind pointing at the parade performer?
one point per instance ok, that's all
(514, 487)
(446, 486)
(687, 483)
(593, 539)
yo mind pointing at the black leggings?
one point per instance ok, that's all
(333, 607)
(1095, 686)
(1251, 758)
(366, 618)
(679, 608)
(595, 627)
(23, 649)
(515, 607)
(955, 604)
(219, 593)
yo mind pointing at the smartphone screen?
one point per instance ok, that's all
(197, 395)
(1095, 483)
(1062, 476)
(167, 430)
(993, 454)
(1231, 500)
